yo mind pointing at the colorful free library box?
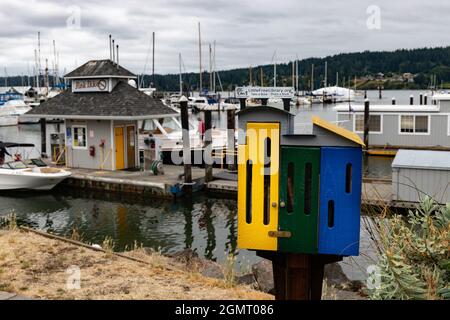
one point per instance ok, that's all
(297, 193)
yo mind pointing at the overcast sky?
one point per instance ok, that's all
(246, 32)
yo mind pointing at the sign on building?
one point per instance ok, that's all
(91, 85)
(265, 92)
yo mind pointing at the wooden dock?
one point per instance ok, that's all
(168, 185)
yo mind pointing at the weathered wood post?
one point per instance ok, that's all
(425, 99)
(231, 124)
(187, 163)
(421, 99)
(366, 123)
(207, 148)
(380, 92)
(393, 101)
(243, 102)
(43, 138)
(411, 99)
(365, 94)
(287, 104)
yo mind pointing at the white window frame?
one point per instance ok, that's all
(73, 136)
(371, 114)
(414, 122)
(448, 125)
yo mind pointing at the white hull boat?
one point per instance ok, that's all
(44, 178)
(6, 121)
(31, 174)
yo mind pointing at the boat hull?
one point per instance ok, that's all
(6, 121)
(21, 179)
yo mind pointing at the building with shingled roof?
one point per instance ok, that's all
(101, 110)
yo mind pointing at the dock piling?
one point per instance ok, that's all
(231, 125)
(393, 101)
(287, 104)
(186, 145)
(366, 123)
(421, 99)
(43, 138)
(411, 99)
(207, 148)
(425, 99)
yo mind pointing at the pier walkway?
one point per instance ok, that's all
(167, 185)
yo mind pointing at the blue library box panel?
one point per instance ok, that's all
(340, 200)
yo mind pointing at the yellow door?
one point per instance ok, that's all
(258, 173)
(118, 141)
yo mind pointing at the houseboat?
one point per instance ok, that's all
(402, 126)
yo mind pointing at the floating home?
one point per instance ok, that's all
(402, 126)
(100, 111)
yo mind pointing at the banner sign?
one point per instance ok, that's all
(90, 85)
(265, 92)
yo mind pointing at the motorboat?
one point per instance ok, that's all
(334, 94)
(6, 121)
(29, 174)
(16, 108)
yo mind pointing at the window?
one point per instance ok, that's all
(79, 137)
(308, 188)
(348, 178)
(290, 187)
(267, 160)
(374, 123)
(413, 124)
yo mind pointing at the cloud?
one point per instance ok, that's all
(246, 32)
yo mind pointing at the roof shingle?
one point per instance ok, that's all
(124, 101)
(94, 68)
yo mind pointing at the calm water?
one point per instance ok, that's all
(206, 225)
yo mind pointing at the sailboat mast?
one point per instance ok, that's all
(153, 59)
(312, 77)
(210, 67)
(326, 75)
(181, 79)
(293, 74)
(337, 79)
(214, 66)
(261, 76)
(200, 57)
(296, 72)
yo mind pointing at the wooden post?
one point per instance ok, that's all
(298, 276)
(242, 102)
(425, 99)
(231, 124)
(366, 122)
(287, 104)
(264, 101)
(380, 90)
(43, 138)
(186, 145)
(365, 94)
(411, 99)
(207, 148)
(393, 100)
(421, 99)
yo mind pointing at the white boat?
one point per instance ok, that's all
(16, 108)
(6, 121)
(31, 174)
(334, 94)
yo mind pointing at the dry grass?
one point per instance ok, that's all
(35, 266)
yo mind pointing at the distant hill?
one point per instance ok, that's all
(424, 63)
